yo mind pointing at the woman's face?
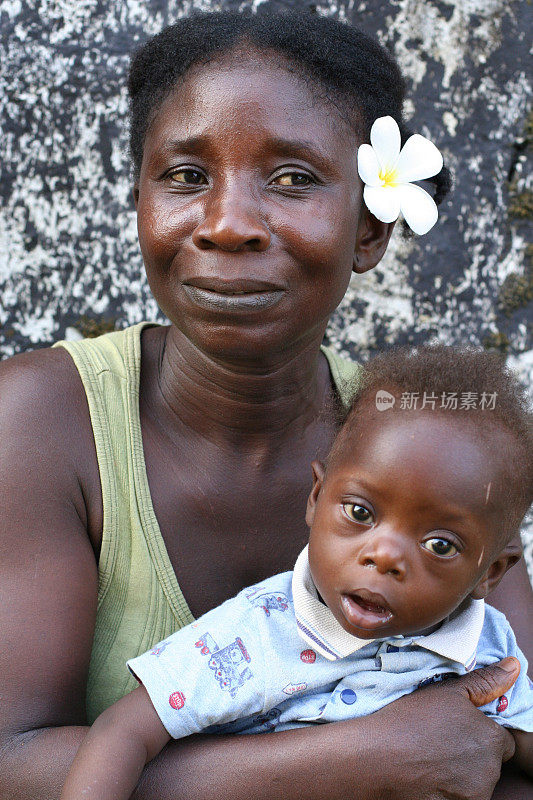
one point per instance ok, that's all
(250, 209)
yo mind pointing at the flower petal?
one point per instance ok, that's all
(386, 141)
(417, 207)
(418, 159)
(368, 165)
(383, 201)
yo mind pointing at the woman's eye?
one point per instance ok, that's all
(293, 179)
(358, 513)
(440, 547)
(189, 177)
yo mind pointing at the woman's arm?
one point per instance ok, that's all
(48, 578)
(129, 734)
(403, 751)
(48, 590)
(513, 784)
(523, 756)
(355, 760)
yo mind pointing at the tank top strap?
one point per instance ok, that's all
(139, 598)
(345, 374)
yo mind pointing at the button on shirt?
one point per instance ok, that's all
(274, 657)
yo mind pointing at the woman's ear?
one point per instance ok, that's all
(371, 241)
(318, 479)
(135, 192)
(489, 581)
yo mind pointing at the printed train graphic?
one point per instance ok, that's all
(229, 663)
(268, 601)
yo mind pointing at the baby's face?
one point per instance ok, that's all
(406, 523)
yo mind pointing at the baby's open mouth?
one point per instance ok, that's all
(369, 606)
(365, 609)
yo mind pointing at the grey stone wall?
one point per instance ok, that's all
(69, 261)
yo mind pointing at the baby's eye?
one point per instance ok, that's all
(190, 177)
(293, 179)
(440, 547)
(358, 513)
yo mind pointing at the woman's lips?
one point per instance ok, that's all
(365, 609)
(229, 300)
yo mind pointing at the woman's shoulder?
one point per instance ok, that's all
(35, 385)
(35, 381)
(45, 430)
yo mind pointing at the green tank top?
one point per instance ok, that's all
(139, 598)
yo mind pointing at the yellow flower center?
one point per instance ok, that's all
(388, 177)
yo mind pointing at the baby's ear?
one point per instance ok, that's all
(504, 561)
(318, 479)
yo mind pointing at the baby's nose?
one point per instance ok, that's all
(386, 553)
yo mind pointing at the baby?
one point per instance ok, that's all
(411, 526)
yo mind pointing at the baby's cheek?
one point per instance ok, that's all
(324, 578)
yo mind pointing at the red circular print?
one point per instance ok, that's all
(177, 700)
(502, 704)
(308, 656)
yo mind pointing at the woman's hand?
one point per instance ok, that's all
(448, 749)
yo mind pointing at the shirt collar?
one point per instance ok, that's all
(456, 639)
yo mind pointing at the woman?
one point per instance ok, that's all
(186, 449)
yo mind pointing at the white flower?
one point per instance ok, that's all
(387, 173)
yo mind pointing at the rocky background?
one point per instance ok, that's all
(69, 260)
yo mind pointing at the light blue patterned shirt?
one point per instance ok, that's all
(274, 657)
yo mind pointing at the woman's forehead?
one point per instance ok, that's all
(249, 96)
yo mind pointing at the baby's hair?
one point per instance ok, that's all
(340, 63)
(464, 383)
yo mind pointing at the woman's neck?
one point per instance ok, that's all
(236, 401)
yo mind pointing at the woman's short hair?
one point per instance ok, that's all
(340, 63)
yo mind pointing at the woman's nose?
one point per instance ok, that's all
(384, 552)
(231, 222)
